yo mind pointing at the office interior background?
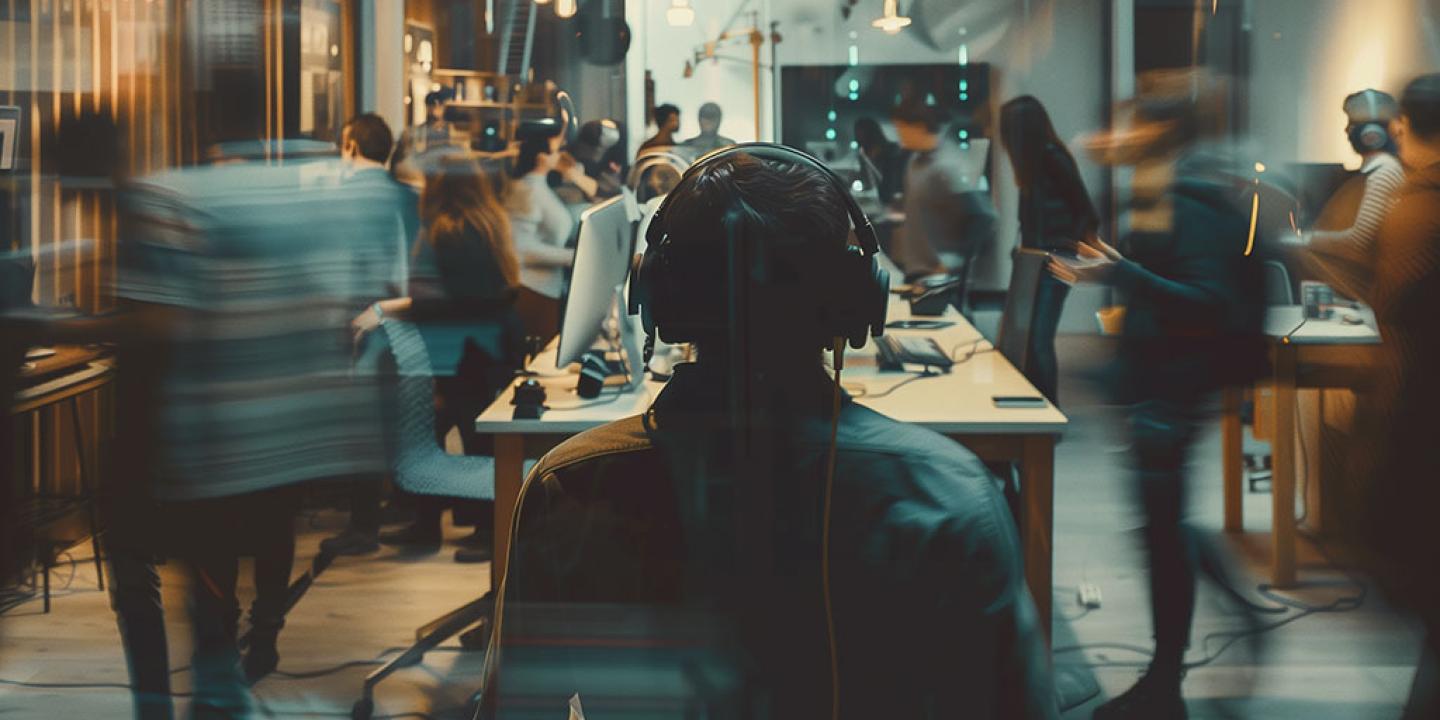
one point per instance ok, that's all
(273, 83)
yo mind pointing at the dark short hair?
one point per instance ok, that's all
(918, 113)
(791, 213)
(663, 113)
(1421, 104)
(372, 136)
(439, 97)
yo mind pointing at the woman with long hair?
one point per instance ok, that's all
(1055, 215)
(463, 280)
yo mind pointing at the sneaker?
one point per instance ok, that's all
(414, 538)
(1155, 697)
(350, 542)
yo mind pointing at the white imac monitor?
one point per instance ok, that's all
(603, 255)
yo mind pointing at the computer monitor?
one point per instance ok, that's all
(602, 263)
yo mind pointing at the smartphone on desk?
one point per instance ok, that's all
(1019, 401)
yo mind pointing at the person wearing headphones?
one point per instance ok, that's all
(1344, 258)
(868, 568)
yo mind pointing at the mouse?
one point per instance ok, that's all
(1350, 317)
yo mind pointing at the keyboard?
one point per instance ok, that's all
(896, 351)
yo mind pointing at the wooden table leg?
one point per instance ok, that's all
(1232, 458)
(1037, 514)
(1282, 483)
(509, 476)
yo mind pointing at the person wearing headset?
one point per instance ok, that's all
(1344, 258)
(869, 568)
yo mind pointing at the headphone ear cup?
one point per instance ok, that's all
(877, 293)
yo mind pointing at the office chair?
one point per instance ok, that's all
(1278, 290)
(1018, 317)
(422, 467)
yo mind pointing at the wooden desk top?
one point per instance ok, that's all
(1287, 323)
(956, 403)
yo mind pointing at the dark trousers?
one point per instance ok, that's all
(1044, 370)
(135, 597)
(1161, 434)
(214, 535)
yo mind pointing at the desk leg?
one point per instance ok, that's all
(509, 469)
(1282, 572)
(1232, 458)
(1037, 514)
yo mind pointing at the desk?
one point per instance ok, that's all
(957, 405)
(71, 372)
(1304, 354)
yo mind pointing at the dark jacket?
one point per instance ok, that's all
(1396, 460)
(932, 615)
(1194, 298)
(1055, 211)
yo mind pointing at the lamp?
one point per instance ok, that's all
(891, 21)
(680, 14)
(565, 8)
(542, 2)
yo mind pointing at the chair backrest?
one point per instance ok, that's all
(1278, 290)
(421, 465)
(1019, 314)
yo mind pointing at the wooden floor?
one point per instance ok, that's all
(1354, 665)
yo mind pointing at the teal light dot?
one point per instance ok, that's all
(830, 116)
(854, 86)
(964, 85)
(854, 96)
(964, 134)
(829, 133)
(964, 97)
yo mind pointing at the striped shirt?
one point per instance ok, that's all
(267, 265)
(1345, 258)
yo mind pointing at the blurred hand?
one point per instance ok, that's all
(1095, 264)
(566, 163)
(364, 323)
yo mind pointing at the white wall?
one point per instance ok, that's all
(1049, 48)
(1309, 54)
(663, 50)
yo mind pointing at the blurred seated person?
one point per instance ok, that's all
(709, 138)
(883, 156)
(462, 290)
(1344, 257)
(592, 150)
(667, 123)
(949, 216)
(418, 142)
(930, 607)
(541, 226)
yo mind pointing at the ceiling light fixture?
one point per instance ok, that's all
(891, 21)
(566, 8)
(680, 14)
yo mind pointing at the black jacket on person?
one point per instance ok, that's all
(1195, 308)
(932, 615)
(1055, 211)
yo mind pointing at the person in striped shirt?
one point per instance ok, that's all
(1344, 258)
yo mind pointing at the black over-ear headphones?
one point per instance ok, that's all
(865, 283)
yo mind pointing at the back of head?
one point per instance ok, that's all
(371, 136)
(787, 225)
(1026, 131)
(711, 111)
(1420, 105)
(459, 197)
